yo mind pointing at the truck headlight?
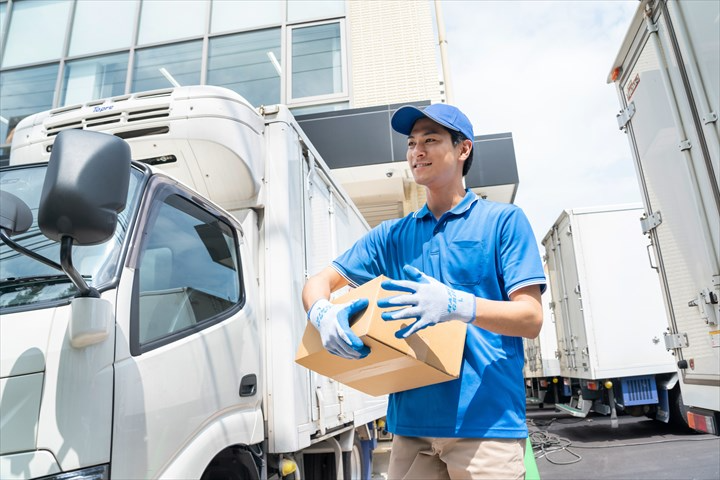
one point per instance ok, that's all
(98, 472)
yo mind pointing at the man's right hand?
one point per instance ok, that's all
(333, 323)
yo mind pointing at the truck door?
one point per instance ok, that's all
(188, 359)
(567, 300)
(669, 90)
(320, 249)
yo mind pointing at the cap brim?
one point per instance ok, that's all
(405, 117)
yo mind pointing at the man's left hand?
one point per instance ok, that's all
(428, 300)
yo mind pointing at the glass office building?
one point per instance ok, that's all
(316, 55)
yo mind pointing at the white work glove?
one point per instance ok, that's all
(333, 323)
(429, 301)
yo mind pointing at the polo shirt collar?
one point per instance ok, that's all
(468, 200)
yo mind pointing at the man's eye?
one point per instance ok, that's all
(411, 144)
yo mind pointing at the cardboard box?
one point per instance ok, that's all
(430, 356)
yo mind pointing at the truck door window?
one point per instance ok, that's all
(189, 271)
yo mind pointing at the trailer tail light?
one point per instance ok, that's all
(592, 385)
(543, 383)
(702, 423)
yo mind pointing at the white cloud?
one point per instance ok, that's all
(538, 69)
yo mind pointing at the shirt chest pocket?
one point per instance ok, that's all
(467, 262)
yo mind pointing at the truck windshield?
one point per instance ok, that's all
(25, 281)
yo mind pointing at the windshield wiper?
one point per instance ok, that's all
(19, 248)
(15, 281)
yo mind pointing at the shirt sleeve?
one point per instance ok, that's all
(364, 260)
(519, 254)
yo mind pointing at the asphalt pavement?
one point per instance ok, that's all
(639, 448)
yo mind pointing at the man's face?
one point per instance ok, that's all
(433, 159)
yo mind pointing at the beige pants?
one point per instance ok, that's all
(417, 458)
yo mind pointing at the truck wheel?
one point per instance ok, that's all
(678, 410)
(357, 463)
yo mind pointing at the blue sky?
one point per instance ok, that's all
(538, 69)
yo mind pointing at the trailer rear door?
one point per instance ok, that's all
(669, 91)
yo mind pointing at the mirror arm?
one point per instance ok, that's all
(20, 249)
(66, 244)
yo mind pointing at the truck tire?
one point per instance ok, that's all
(678, 410)
(357, 463)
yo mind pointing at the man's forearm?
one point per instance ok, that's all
(321, 286)
(522, 316)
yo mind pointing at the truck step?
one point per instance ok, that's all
(581, 412)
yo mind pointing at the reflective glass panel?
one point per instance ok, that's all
(158, 67)
(233, 15)
(24, 92)
(316, 61)
(29, 18)
(100, 25)
(303, 10)
(248, 63)
(94, 78)
(3, 16)
(165, 20)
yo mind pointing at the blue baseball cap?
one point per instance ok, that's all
(446, 115)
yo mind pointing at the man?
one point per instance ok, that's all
(457, 258)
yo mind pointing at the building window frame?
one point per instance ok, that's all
(335, 97)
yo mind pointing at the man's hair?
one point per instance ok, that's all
(457, 138)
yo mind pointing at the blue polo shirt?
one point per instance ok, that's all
(482, 247)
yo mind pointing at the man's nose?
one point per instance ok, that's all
(418, 149)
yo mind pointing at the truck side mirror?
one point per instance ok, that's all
(86, 186)
(15, 215)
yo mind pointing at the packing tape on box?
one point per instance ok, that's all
(376, 369)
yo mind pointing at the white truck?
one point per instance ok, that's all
(609, 314)
(159, 342)
(667, 76)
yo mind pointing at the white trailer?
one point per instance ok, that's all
(609, 314)
(170, 354)
(667, 76)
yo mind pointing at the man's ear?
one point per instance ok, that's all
(467, 146)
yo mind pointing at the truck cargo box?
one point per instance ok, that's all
(667, 76)
(606, 301)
